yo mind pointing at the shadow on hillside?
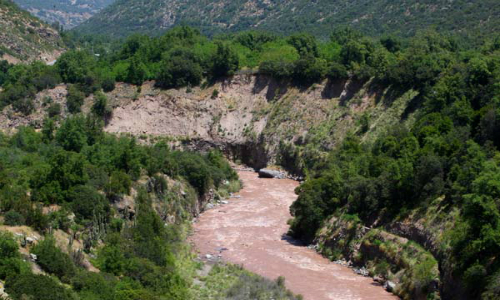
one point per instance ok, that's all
(333, 88)
(351, 88)
(275, 88)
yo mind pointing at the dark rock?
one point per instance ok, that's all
(266, 173)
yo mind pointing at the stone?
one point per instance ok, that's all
(33, 257)
(208, 256)
(224, 202)
(266, 173)
(389, 286)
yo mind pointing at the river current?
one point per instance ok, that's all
(251, 231)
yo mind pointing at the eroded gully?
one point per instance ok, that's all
(253, 230)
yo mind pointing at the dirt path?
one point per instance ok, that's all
(251, 231)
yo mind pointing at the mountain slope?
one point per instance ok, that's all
(68, 13)
(373, 17)
(24, 37)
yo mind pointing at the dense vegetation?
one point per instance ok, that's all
(450, 154)
(374, 18)
(84, 171)
(64, 12)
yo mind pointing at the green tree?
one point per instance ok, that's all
(225, 61)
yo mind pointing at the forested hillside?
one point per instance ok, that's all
(376, 18)
(66, 13)
(24, 37)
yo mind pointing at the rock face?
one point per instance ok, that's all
(266, 173)
(255, 119)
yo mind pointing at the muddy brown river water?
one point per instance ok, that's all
(251, 231)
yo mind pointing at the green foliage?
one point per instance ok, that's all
(101, 108)
(10, 260)
(37, 287)
(87, 203)
(180, 68)
(53, 260)
(75, 66)
(224, 62)
(54, 110)
(14, 218)
(74, 99)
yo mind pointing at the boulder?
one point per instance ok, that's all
(390, 286)
(266, 173)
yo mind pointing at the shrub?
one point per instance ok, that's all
(179, 72)
(215, 94)
(13, 218)
(101, 107)
(94, 285)
(119, 184)
(87, 203)
(52, 260)
(36, 287)
(111, 260)
(108, 84)
(74, 99)
(224, 62)
(54, 110)
(24, 105)
(278, 69)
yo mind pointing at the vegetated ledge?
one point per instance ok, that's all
(408, 255)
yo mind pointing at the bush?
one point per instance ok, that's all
(101, 108)
(13, 218)
(94, 285)
(308, 70)
(52, 260)
(54, 110)
(37, 287)
(87, 203)
(179, 71)
(24, 105)
(278, 69)
(74, 99)
(108, 84)
(224, 62)
(111, 260)
(119, 184)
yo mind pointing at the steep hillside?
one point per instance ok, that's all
(24, 37)
(68, 13)
(318, 17)
(253, 119)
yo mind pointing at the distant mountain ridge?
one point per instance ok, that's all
(373, 17)
(23, 37)
(68, 13)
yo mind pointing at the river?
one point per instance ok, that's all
(251, 231)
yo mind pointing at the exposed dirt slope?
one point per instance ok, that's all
(257, 119)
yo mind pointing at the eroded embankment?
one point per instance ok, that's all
(251, 231)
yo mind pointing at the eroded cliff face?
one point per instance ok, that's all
(259, 120)
(254, 119)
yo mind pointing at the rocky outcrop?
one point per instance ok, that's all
(268, 173)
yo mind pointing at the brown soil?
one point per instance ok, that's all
(253, 230)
